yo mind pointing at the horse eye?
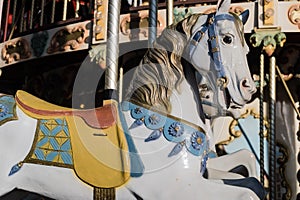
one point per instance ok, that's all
(227, 39)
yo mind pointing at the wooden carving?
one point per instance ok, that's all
(134, 24)
(294, 15)
(67, 38)
(16, 50)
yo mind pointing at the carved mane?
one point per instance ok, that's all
(161, 71)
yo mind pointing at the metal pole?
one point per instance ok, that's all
(42, 13)
(22, 18)
(14, 12)
(152, 22)
(272, 167)
(31, 14)
(121, 85)
(2, 13)
(53, 11)
(170, 12)
(77, 9)
(112, 49)
(6, 21)
(261, 119)
(65, 10)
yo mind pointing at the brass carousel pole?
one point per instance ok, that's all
(170, 7)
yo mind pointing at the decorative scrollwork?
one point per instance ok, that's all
(282, 159)
(134, 24)
(236, 132)
(210, 10)
(294, 15)
(66, 39)
(234, 9)
(16, 50)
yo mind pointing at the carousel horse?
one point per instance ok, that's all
(156, 144)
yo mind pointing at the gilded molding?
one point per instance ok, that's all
(235, 133)
(16, 50)
(134, 24)
(268, 39)
(294, 15)
(233, 9)
(210, 10)
(236, 9)
(100, 18)
(67, 38)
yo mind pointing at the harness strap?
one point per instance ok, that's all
(214, 47)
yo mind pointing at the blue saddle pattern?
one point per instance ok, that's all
(52, 143)
(7, 109)
(193, 138)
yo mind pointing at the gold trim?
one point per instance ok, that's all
(237, 133)
(29, 159)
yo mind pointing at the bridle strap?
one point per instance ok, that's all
(214, 47)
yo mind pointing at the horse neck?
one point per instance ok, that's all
(184, 106)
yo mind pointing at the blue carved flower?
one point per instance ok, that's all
(154, 119)
(176, 129)
(197, 140)
(137, 110)
(3, 110)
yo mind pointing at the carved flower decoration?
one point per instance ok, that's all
(154, 119)
(197, 139)
(176, 129)
(183, 135)
(196, 143)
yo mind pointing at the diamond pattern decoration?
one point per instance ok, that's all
(52, 143)
(7, 109)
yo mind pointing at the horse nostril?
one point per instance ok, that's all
(245, 83)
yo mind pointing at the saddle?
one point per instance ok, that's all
(34, 107)
(98, 143)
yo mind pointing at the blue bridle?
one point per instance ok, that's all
(214, 48)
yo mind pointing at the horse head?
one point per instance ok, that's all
(218, 52)
(213, 45)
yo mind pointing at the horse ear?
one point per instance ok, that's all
(223, 6)
(244, 16)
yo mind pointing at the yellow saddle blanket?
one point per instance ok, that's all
(99, 147)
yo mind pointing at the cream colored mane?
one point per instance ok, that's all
(161, 71)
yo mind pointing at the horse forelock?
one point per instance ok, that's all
(161, 71)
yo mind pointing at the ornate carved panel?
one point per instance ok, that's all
(134, 24)
(67, 38)
(294, 14)
(100, 18)
(16, 50)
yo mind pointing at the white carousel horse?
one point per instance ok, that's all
(161, 167)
